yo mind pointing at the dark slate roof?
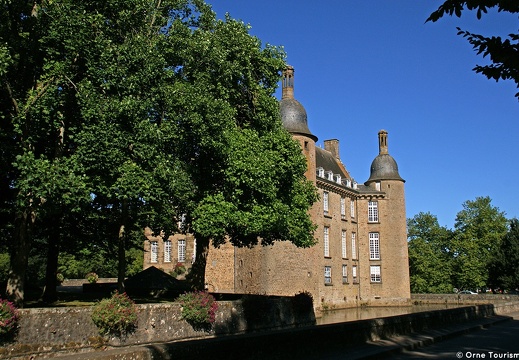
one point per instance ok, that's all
(384, 167)
(153, 279)
(294, 118)
(328, 162)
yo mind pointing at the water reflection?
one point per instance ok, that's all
(361, 313)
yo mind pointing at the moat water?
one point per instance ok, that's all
(362, 313)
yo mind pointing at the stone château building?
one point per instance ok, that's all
(361, 255)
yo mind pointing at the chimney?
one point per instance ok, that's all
(288, 83)
(382, 142)
(332, 146)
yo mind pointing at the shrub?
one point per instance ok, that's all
(198, 309)
(8, 318)
(116, 316)
(180, 268)
(60, 278)
(303, 302)
(92, 277)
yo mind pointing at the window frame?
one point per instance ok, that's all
(344, 274)
(344, 250)
(326, 202)
(373, 211)
(354, 245)
(167, 251)
(374, 274)
(181, 250)
(154, 252)
(326, 241)
(327, 275)
(374, 246)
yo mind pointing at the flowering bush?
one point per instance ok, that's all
(8, 318)
(92, 277)
(180, 268)
(117, 315)
(198, 309)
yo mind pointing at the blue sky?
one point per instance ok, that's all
(363, 66)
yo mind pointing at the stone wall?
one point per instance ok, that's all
(50, 331)
(503, 303)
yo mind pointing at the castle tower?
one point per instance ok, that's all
(294, 118)
(389, 229)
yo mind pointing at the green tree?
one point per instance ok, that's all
(142, 113)
(478, 231)
(430, 264)
(503, 53)
(505, 264)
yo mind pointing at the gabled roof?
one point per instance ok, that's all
(328, 162)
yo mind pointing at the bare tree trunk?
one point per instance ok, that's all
(50, 294)
(196, 276)
(15, 290)
(121, 254)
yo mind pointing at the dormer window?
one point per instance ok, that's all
(338, 178)
(320, 172)
(348, 183)
(329, 175)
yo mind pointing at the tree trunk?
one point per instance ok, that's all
(15, 290)
(50, 294)
(121, 255)
(196, 276)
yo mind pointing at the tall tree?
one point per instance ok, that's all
(503, 53)
(478, 231)
(430, 261)
(149, 111)
(505, 264)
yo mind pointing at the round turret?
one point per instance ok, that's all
(293, 114)
(383, 167)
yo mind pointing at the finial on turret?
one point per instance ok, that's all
(288, 83)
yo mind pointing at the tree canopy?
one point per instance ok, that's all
(503, 53)
(141, 113)
(467, 257)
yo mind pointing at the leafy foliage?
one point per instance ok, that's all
(116, 315)
(504, 54)
(441, 259)
(430, 262)
(504, 267)
(121, 115)
(198, 309)
(8, 318)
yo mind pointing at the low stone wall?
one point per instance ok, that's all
(47, 332)
(304, 342)
(503, 303)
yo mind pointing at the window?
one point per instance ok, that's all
(167, 251)
(320, 172)
(354, 274)
(374, 246)
(352, 208)
(344, 274)
(343, 244)
(329, 175)
(182, 250)
(325, 202)
(343, 208)
(326, 241)
(353, 245)
(154, 251)
(375, 273)
(373, 211)
(327, 274)
(377, 186)
(338, 178)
